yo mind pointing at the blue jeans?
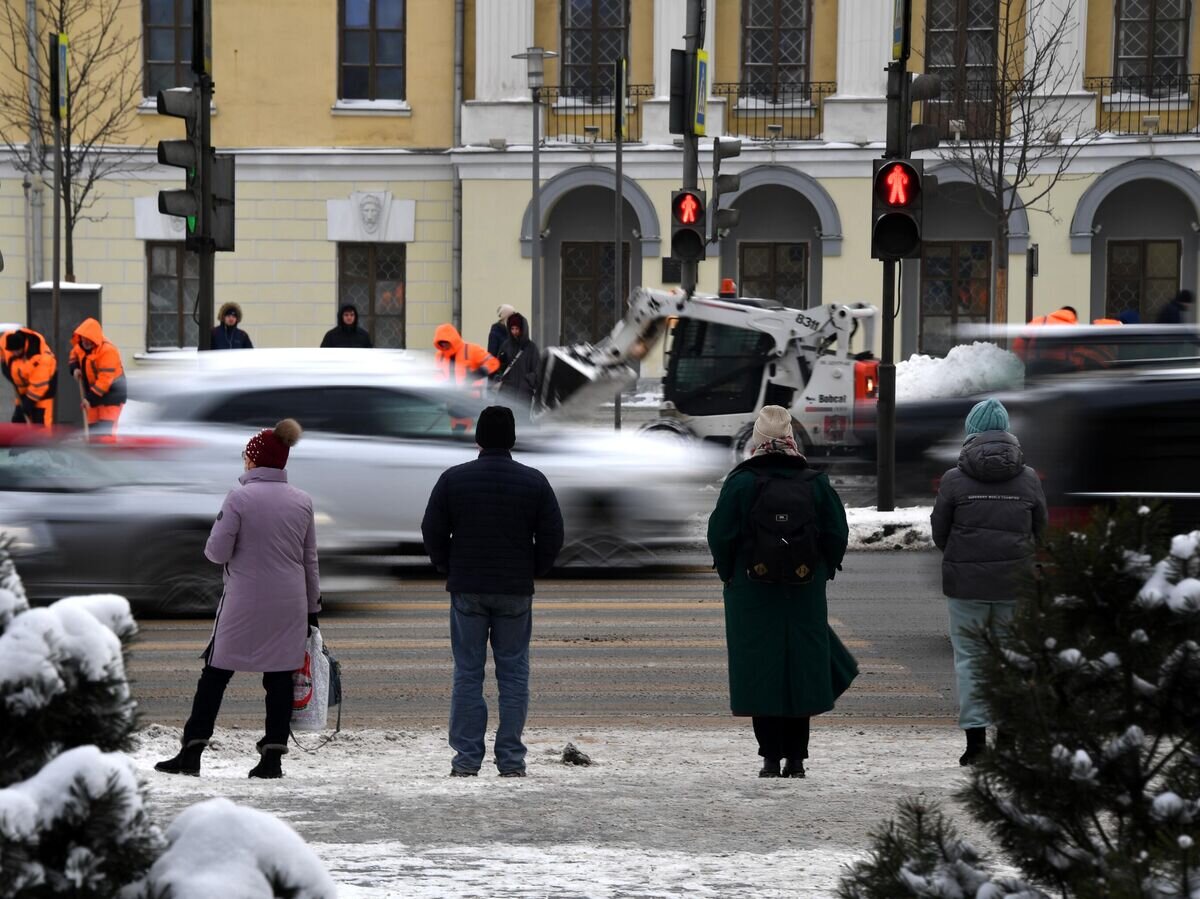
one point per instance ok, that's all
(508, 621)
(973, 614)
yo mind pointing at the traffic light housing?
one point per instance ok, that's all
(903, 90)
(896, 208)
(688, 236)
(183, 103)
(724, 219)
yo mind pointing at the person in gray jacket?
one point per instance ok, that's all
(989, 516)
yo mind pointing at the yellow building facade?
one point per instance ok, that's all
(384, 157)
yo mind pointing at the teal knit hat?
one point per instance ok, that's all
(989, 415)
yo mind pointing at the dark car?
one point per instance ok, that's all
(85, 519)
(1117, 435)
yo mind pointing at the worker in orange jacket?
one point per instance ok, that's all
(38, 346)
(33, 371)
(1053, 358)
(96, 364)
(464, 364)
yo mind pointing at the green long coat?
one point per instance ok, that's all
(784, 658)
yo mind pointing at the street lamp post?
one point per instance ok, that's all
(535, 70)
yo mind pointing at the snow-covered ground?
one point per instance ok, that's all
(659, 813)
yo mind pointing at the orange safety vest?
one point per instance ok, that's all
(34, 379)
(466, 364)
(1023, 346)
(103, 373)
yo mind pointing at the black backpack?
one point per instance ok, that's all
(782, 535)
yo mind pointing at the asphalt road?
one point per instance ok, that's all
(609, 651)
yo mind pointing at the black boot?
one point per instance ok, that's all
(976, 745)
(270, 764)
(186, 762)
(770, 768)
(793, 768)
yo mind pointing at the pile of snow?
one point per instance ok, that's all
(216, 845)
(966, 370)
(906, 528)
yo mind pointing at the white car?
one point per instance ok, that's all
(378, 435)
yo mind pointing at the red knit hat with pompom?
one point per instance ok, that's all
(269, 448)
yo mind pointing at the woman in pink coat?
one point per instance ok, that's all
(265, 537)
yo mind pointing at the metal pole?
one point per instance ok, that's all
(1031, 261)
(207, 254)
(886, 404)
(689, 272)
(55, 287)
(37, 253)
(535, 304)
(618, 224)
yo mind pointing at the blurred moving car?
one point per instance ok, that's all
(82, 519)
(378, 434)
(1109, 436)
(1059, 356)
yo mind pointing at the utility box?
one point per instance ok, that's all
(75, 303)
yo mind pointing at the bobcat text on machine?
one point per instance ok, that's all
(729, 357)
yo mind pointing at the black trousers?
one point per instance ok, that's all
(781, 738)
(211, 689)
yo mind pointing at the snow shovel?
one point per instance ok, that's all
(83, 407)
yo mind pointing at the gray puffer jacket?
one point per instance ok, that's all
(990, 513)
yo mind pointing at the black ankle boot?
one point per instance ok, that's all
(793, 768)
(976, 745)
(270, 765)
(186, 762)
(770, 768)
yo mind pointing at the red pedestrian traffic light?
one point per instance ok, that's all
(896, 211)
(687, 208)
(897, 184)
(688, 237)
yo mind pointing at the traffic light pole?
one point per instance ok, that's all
(206, 249)
(689, 272)
(885, 408)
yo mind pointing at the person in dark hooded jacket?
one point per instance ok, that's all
(989, 515)
(517, 379)
(227, 335)
(347, 333)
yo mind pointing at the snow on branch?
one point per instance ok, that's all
(76, 827)
(216, 844)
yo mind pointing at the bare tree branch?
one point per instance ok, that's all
(1037, 125)
(104, 87)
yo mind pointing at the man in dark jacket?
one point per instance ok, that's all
(989, 515)
(347, 334)
(227, 335)
(517, 380)
(492, 525)
(1178, 311)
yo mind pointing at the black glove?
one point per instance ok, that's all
(312, 620)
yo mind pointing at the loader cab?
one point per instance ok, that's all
(715, 369)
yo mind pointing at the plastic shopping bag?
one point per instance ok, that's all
(310, 687)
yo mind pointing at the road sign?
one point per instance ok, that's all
(621, 91)
(700, 94)
(901, 16)
(58, 77)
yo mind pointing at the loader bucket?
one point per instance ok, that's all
(572, 382)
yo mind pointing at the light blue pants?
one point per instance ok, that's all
(973, 614)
